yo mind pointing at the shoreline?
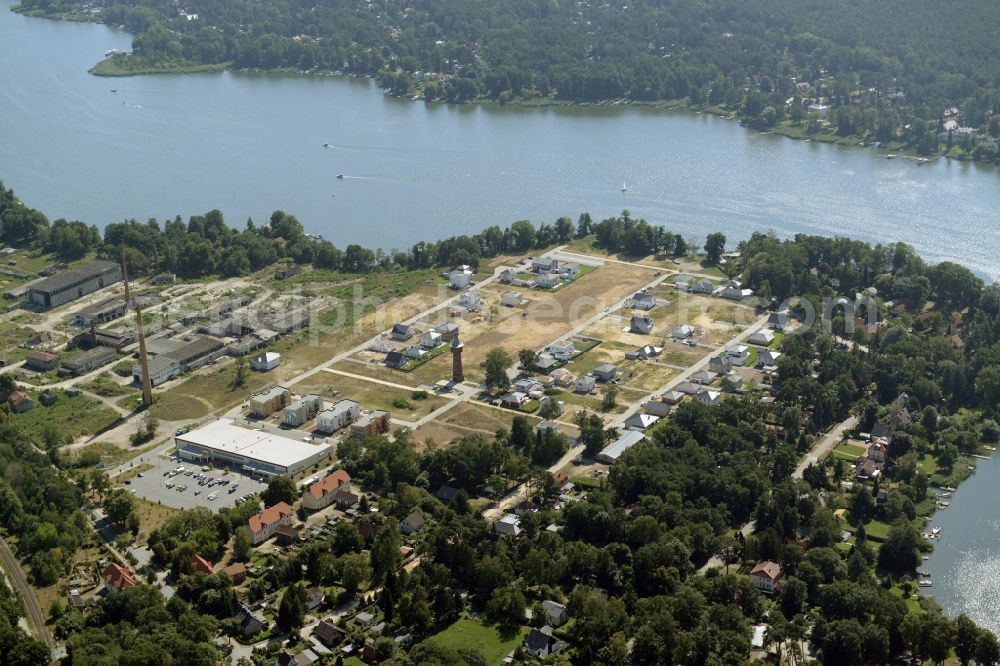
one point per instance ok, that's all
(108, 69)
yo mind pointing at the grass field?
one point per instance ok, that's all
(468, 633)
(71, 416)
(104, 385)
(200, 394)
(848, 452)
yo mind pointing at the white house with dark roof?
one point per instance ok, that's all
(562, 350)
(509, 525)
(402, 331)
(430, 339)
(682, 332)
(764, 337)
(605, 372)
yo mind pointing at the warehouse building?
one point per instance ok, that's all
(222, 443)
(89, 360)
(100, 313)
(169, 357)
(70, 285)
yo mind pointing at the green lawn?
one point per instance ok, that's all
(467, 633)
(928, 465)
(751, 361)
(849, 452)
(776, 343)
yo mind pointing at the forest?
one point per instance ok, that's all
(887, 70)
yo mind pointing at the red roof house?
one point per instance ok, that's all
(264, 524)
(117, 578)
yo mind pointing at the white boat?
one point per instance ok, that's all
(936, 531)
(926, 583)
(624, 188)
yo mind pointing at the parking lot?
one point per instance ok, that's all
(152, 485)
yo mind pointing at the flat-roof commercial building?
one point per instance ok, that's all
(253, 451)
(76, 283)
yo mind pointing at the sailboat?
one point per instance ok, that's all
(624, 188)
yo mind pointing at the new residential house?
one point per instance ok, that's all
(643, 301)
(548, 280)
(511, 298)
(339, 415)
(544, 264)
(266, 361)
(72, 284)
(402, 332)
(430, 339)
(605, 372)
(263, 525)
(562, 350)
(264, 404)
(323, 493)
(702, 286)
(640, 324)
(302, 410)
(682, 332)
(459, 278)
(763, 337)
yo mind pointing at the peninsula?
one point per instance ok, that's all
(580, 442)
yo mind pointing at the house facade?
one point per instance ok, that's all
(263, 525)
(264, 404)
(340, 415)
(767, 576)
(323, 493)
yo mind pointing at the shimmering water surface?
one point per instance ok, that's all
(965, 565)
(248, 144)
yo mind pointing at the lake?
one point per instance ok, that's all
(965, 565)
(248, 144)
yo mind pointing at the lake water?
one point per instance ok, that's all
(965, 565)
(248, 144)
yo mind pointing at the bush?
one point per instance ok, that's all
(401, 403)
(420, 395)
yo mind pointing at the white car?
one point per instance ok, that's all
(213, 497)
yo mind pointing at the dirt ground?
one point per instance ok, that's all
(552, 315)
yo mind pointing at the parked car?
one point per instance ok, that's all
(213, 497)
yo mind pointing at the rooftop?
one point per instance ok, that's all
(60, 281)
(223, 435)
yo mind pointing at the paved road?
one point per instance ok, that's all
(824, 444)
(14, 574)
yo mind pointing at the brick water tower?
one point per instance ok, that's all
(457, 375)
